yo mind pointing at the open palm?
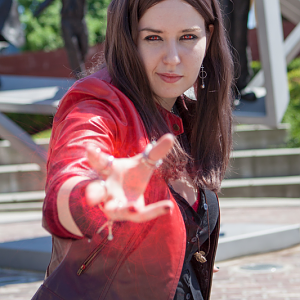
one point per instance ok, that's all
(122, 196)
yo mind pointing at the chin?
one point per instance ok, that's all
(171, 95)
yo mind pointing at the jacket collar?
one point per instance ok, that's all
(174, 122)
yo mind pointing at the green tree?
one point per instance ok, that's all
(44, 32)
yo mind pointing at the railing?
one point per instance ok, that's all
(21, 94)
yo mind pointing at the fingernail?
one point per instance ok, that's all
(132, 209)
(167, 208)
(218, 268)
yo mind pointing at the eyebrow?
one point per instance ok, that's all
(192, 29)
(151, 30)
(159, 31)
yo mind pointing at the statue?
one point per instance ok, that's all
(74, 32)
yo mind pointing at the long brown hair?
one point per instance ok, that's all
(211, 134)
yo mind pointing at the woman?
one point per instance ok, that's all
(124, 225)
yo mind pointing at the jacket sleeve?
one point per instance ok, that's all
(87, 122)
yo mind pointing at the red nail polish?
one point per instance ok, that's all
(167, 208)
(132, 209)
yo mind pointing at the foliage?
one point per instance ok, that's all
(292, 114)
(44, 32)
(43, 134)
(31, 123)
(96, 20)
(256, 66)
(294, 64)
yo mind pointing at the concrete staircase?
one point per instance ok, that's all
(262, 173)
(21, 181)
(261, 166)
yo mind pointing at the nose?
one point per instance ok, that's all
(171, 56)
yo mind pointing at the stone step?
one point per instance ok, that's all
(8, 155)
(250, 239)
(22, 197)
(260, 202)
(239, 240)
(287, 186)
(259, 137)
(244, 137)
(21, 178)
(22, 201)
(264, 163)
(21, 207)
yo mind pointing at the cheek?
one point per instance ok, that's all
(148, 59)
(199, 50)
(196, 57)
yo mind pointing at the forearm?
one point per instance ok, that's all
(68, 214)
(65, 216)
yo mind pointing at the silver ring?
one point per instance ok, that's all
(107, 169)
(147, 161)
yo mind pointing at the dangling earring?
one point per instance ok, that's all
(202, 76)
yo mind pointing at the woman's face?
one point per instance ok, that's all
(172, 44)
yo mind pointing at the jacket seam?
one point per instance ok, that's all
(179, 269)
(50, 291)
(113, 273)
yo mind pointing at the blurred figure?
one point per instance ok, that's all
(11, 32)
(74, 32)
(5, 6)
(235, 20)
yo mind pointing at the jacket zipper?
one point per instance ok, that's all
(91, 257)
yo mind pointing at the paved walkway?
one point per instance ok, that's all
(233, 282)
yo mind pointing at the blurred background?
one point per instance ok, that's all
(46, 45)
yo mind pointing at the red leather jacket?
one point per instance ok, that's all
(143, 261)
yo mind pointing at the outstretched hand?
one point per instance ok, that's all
(121, 192)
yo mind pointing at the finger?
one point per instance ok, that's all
(97, 159)
(115, 211)
(216, 269)
(162, 147)
(96, 193)
(151, 211)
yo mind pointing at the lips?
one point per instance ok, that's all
(169, 78)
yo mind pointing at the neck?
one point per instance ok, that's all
(166, 103)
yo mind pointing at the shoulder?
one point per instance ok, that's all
(97, 89)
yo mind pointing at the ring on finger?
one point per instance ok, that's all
(147, 161)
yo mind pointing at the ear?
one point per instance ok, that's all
(209, 35)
